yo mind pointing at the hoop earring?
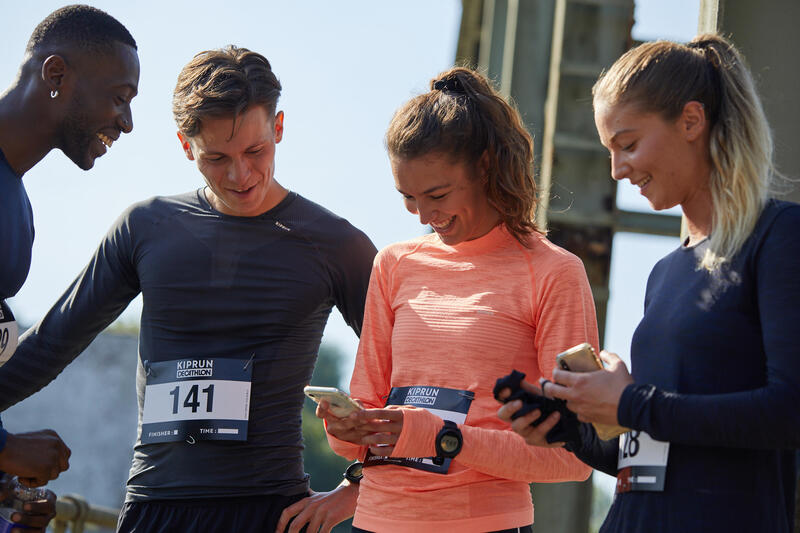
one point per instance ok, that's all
(53, 93)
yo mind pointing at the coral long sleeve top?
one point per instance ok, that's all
(460, 317)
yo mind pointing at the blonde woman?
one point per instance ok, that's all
(712, 401)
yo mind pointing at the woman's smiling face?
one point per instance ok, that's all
(448, 195)
(653, 153)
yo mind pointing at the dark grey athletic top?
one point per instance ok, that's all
(213, 286)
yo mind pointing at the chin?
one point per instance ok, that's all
(82, 159)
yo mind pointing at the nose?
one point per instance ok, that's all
(126, 120)
(426, 213)
(239, 171)
(619, 168)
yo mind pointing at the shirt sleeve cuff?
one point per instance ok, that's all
(420, 428)
(632, 405)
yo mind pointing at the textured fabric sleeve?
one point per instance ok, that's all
(373, 367)
(97, 296)
(762, 418)
(600, 454)
(499, 453)
(352, 270)
(564, 316)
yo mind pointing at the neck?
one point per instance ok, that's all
(26, 133)
(699, 217)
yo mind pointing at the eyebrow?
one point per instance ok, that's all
(256, 145)
(427, 191)
(132, 88)
(613, 138)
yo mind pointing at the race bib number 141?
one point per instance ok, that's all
(196, 399)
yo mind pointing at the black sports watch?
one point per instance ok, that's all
(449, 440)
(354, 472)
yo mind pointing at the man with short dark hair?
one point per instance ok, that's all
(238, 279)
(72, 92)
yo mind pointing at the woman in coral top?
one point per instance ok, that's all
(450, 312)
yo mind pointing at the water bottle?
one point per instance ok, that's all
(16, 496)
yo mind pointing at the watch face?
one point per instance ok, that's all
(355, 469)
(449, 443)
(354, 472)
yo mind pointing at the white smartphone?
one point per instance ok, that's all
(341, 405)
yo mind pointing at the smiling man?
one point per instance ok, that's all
(238, 278)
(72, 92)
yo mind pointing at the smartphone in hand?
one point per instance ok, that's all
(339, 402)
(580, 358)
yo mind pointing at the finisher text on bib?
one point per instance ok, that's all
(448, 404)
(196, 399)
(642, 462)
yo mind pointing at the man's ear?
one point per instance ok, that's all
(693, 120)
(186, 145)
(54, 73)
(278, 127)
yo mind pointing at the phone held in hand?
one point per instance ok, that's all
(582, 358)
(340, 403)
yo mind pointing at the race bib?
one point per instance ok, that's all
(196, 399)
(448, 404)
(9, 333)
(642, 462)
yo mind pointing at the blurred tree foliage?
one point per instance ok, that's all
(324, 466)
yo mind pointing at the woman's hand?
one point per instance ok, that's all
(535, 436)
(593, 396)
(377, 428)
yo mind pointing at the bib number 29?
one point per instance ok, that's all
(192, 400)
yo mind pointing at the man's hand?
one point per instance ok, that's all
(35, 515)
(321, 511)
(35, 457)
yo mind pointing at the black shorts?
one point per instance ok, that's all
(197, 515)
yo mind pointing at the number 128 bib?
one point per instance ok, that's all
(642, 462)
(196, 399)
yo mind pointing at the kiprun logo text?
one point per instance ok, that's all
(195, 368)
(422, 395)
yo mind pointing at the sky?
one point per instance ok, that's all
(345, 67)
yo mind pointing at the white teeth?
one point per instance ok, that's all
(444, 225)
(108, 141)
(644, 182)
